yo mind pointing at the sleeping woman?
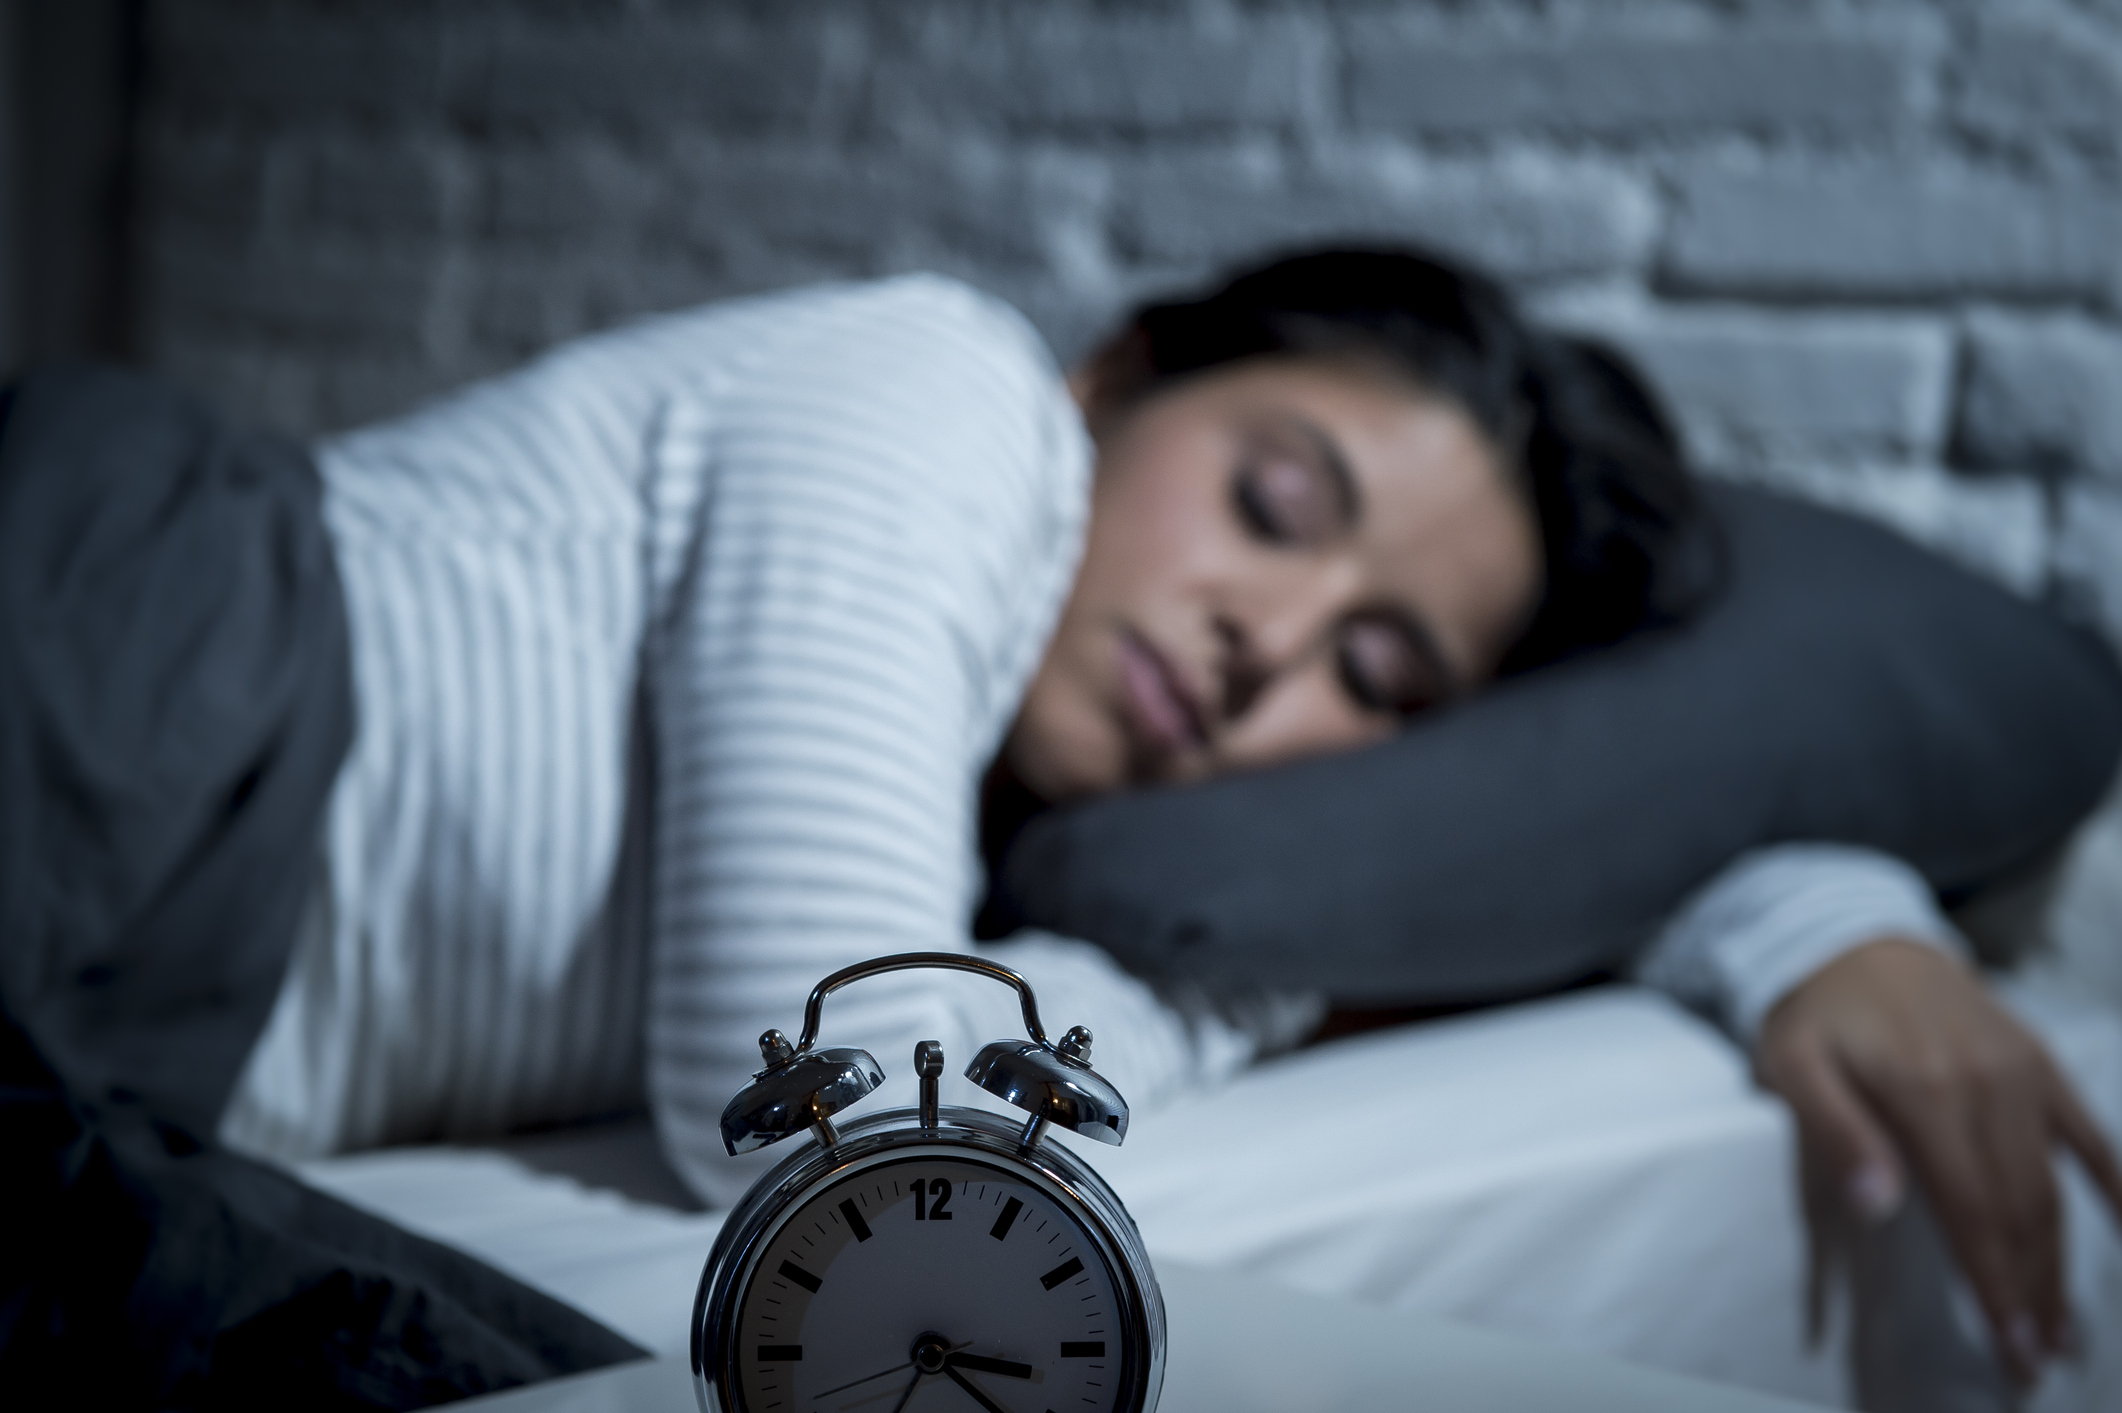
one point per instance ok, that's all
(683, 661)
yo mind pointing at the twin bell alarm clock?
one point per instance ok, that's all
(929, 1260)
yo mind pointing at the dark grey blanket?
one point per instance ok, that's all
(174, 705)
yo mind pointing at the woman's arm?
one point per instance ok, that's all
(1774, 916)
(888, 523)
(1897, 1063)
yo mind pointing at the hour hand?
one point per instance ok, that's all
(950, 1371)
(986, 1365)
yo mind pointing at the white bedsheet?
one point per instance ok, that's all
(1594, 1170)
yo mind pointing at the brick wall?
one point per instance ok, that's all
(1873, 250)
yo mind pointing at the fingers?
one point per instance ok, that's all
(2083, 1137)
(2011, 1130)
(2078, 1132)
(1846, 1164)
(1979, 1133)
(1937, 1132)
(1990, 1215)
(1840, 1134)
(1900, 1067)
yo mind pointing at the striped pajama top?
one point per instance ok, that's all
(679, 656)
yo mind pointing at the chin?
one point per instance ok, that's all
(1060, 762)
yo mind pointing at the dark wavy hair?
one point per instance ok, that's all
(1625, 538)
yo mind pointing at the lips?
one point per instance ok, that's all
(1159, 707)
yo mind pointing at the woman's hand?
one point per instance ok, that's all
(1897, 1063)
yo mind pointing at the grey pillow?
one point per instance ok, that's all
(1844, 686)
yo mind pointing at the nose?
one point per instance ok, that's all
(1281, 627)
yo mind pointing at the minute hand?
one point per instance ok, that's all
(988, 1366)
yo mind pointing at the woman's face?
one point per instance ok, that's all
(1284, 557)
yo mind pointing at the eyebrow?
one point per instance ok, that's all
(1346, 492)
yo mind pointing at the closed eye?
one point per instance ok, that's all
(1260, 515)
(1389, 663)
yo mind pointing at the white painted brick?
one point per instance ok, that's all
(2043, 394)
(574, 191)
(877, 210)
(648, 75)
(352, 390)
(252, 385)
(2088, 557)
(396, 189)
(1065, 68)
(1529, 217)
(520, 304)
(2042, 71)
(307, 297)
(1754, 387)
(1625, 79)
(1886, 231)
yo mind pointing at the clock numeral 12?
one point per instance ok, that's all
(941, 1211)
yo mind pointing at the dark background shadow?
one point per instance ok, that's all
(71, 73)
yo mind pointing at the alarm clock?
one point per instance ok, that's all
(928, 1260)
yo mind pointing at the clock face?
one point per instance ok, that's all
(930, 1285)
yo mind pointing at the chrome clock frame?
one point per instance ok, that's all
(895, 1134)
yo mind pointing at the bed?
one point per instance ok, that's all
(1593, 1170)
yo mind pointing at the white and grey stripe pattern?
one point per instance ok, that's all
(678, 656)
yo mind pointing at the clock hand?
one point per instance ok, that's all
(895, 1369)
(988, 1366)
(911, 1385)
(863, 1380)
(950, 1372)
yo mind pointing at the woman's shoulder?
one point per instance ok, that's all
(923, 300)
(944, 389)
(913, 368)
(929, 408)
(901, 328)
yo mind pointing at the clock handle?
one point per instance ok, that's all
(814, 1008)
(803, 1088)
